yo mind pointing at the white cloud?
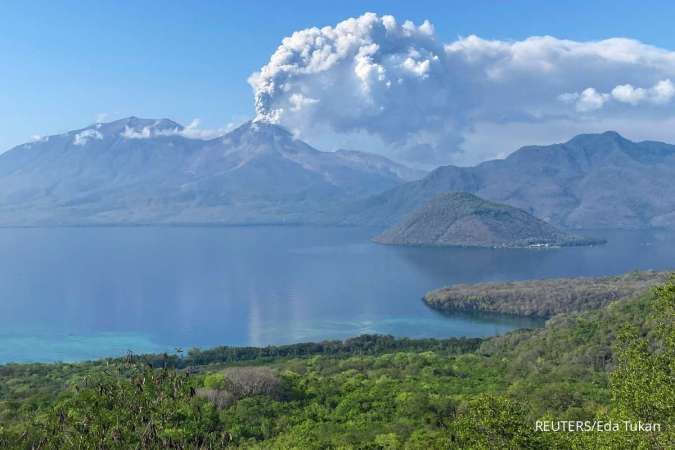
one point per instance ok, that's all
(191, 131)
(132, 133)
(194, 131)
(421, 98)
(590, 99)
(626, 93)
(662, 92)
(368, 74)
(85, 136)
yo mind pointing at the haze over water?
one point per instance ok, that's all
(82, 293)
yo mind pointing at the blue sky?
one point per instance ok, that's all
(63, 63)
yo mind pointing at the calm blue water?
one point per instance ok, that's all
(81, 293)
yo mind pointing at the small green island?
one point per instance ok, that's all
(606, 356)
(461, 219)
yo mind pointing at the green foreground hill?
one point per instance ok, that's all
(464, 220)
(611, 364)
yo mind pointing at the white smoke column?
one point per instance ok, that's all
(368, 74)
(421, 98)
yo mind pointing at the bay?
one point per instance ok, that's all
(71, 294)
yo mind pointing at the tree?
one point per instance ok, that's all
(643, 383)
(130, 406)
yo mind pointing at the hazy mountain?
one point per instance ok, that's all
(592, 181)
(380, 164)
(147, 171)
(462, 219)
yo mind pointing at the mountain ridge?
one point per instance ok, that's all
(140, 171)
(150, 171)
(591, 181)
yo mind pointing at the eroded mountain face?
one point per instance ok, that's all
(146, 171)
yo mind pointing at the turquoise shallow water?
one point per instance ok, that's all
(58, 347)
(70, 294)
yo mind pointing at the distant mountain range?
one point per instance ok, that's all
(146, 171)
(135, 171)
(462, 219)
(592, 181)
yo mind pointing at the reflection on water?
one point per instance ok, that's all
(77, 293)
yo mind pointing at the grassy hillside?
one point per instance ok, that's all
(613, 363)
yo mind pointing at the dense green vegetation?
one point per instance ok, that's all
(543, 298)
(362, 345)
(612, 364)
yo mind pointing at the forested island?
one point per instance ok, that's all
(461, 219)
(612, 362)
(542, 298)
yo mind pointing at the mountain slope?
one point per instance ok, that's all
(591, 181)
(462, 219)
(380, 163)
(148, 171)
